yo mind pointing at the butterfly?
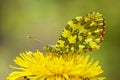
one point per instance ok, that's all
(80, 35)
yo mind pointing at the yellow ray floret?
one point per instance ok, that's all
(37, 66)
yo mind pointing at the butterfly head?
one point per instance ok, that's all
(49, 48)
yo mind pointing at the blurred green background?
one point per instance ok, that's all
(45, 19)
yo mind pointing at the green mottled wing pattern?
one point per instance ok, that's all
(81, 35)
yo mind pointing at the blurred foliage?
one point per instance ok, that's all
(45, 19)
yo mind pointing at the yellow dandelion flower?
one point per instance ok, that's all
(37, 66)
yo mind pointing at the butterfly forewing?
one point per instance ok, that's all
(82, 34)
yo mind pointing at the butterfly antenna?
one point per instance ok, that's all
(30, 37)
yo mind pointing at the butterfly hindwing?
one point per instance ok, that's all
(81, 35)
